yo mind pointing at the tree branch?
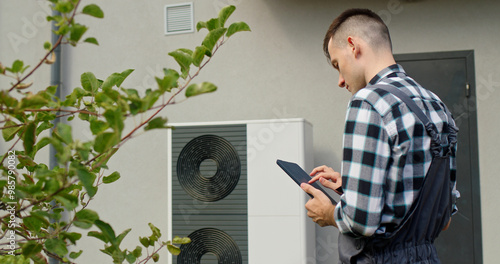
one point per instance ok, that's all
(58, 42)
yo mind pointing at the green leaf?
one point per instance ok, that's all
(225, 13)
(150, 99)
(200, 88)
(115, 119)
(181, 240)
(98, 235)
(34, 224)
(26, 161)
(47, 45)
(144, 241)
(121, 236)
(132, 93)
(198, 55)
(169, 80)
(155, 257)
(107, 231)
(51, 185)
(43, 126)
(31, 248)
(174, 250)
(64, 6)
(102, 99)
(62, 30)
(34, 101)
(98, 126)
(237, 27)
(183, 59)
(137, 252)
(89, 82)
(213, 23)
(87, 180)
(200, 25)
(116, 79)
(42, 143)
(64, 132)
(7, 100)
(111, 178)
(158, 122)
(29, 139)
(187, 51)
(91, 40)
(105, 141)
(155, 230)
(131, 258)
(93, 10)
(56, 246)
(17, 66)
(213, 37)
(38, 259)
(75, 255)
(71, 236)
(10, 129)
(77, 31)
(85, 218)
(69, 201)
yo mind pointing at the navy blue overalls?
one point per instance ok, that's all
(413, 241)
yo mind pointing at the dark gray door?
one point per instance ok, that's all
(451, 76)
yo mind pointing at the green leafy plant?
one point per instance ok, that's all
(33, 195)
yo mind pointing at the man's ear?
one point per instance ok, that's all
(353, 46)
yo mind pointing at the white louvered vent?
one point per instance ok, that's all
(179, 18)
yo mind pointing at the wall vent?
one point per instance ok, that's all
(179, 18)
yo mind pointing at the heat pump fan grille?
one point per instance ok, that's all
(210, 240)
(228, 168)
(209, 190)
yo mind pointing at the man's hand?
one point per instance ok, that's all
(319, 208)
(327, 177)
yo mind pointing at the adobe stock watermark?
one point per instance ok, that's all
(326, 249)
(30, 27)
(266, 135)
(219, 4)
(11, 220)
(485, 87)
(393, 7)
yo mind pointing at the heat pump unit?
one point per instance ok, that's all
(228, 195)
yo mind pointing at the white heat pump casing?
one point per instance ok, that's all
(279, 230)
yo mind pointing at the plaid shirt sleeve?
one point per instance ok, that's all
(365, 163)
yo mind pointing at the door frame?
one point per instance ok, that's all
(468, 55)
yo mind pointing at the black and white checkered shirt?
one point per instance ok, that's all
(386, 154)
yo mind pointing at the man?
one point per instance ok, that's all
(386, 154)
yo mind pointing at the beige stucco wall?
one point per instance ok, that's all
(276, 71)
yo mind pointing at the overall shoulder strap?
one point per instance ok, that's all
(407, 100)
(436, 144)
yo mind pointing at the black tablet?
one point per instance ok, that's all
(300, 176)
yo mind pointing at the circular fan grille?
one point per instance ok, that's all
(225, 158)
(210, 240)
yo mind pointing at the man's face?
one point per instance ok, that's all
(345, 62)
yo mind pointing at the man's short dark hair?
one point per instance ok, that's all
(375, 31)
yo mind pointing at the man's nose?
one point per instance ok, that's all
(341, 81)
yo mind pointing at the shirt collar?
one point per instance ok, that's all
(391, 71)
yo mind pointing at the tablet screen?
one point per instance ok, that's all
(300, 176)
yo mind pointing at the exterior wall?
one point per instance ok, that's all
(276, 71)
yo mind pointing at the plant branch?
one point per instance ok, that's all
(160, 107)
(12, 147)
(62, 110)
(151, 255)
(47, 198)
(58, 42)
